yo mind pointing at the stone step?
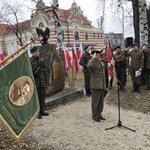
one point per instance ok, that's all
(63, 97)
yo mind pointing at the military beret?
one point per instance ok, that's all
(118, 47)
(85, 47)
(33, 49)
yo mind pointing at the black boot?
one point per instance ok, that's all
(96, 118)
(39, 116)
(87, 92)
(134, 87)
(90, 91)
(138, 88)
(101, 117)
(43, 113)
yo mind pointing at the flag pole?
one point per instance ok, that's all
(74, 79)
(68, 79)
(72, 72)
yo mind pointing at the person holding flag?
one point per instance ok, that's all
(83, 62)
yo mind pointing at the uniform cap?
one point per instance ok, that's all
(118, 47)
(85, 47)
(33, 49)
(96, 51)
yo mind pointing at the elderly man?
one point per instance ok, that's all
(97, 72)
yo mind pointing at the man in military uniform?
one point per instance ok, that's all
(136, 66)
(97, 72)
(120, 67)
(83, 62)
(39, 72)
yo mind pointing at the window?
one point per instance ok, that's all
(41, 25)
(76, 35)
(63, 34)
(86, 36)
(93, 35)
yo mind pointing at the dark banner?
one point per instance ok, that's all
(19, 104)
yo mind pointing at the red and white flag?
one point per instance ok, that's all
(80, 51)
(67, 57)
(75, 57)
(110, 58)
(1, 54)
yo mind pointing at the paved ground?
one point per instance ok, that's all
(70, 127)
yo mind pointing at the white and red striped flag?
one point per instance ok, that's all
(1, 54)
(75, 57)
(67, 57)
(80, 51)
(110, 58)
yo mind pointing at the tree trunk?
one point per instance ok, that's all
(143, 22)
(136, 21)
(148, 20)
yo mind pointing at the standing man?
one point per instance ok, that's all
(136, 65)
(83, 62)
(97, 72)
(120, 67)
(39, 73)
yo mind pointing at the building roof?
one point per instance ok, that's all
(6, 28)
(64, 15)
(3, 28)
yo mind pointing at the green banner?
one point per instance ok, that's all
(19, 104)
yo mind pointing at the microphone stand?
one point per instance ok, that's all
(119, 120)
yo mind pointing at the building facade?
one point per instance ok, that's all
(76, 27)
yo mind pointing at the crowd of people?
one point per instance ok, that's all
(136, 60)
(95, 72)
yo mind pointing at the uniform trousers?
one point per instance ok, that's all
(97, 101)
(41, 91)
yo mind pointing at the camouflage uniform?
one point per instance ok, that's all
(83, 62)
(40, 78)
(135, 64)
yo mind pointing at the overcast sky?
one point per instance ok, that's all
(89, 8)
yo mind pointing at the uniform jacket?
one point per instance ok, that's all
(137, 60)
(39, 72)
(84, 60)
(97, 72)
(120, 59)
